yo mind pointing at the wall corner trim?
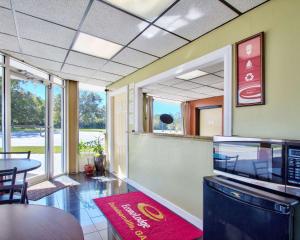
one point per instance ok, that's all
(176, 209)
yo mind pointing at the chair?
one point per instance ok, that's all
(231, 163)
(261, 169)
(8, 187)
(20, 182)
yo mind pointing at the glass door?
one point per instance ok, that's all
(58, 129)
(28, 121)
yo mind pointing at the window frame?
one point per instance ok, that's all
(224, 54)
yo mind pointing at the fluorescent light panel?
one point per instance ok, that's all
(192, 75)
(147, 9)
(96, 46)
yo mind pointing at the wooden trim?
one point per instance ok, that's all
(262, 73)
(73, 126)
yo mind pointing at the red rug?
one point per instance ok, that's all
(137, 216)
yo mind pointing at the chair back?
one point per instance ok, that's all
(4, 155)
(8, 181)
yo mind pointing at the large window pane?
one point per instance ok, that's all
(28, 69)
(28, 106)
(1, 84)
(92, 107)
(58, 123)
(172, 108)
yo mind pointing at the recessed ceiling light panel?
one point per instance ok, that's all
(147, 9)
(191, 75)
(96, 46)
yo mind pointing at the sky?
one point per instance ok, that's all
(160, 107)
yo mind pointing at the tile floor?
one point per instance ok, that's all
(78, 200)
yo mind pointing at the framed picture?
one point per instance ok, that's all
(250, 71)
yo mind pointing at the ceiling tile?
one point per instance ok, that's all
(193, 18)
(5, 3)
(43, 50)
(171, 82)
(84, 60)
(64, 12)
(207, 80)
(155, 86)
(220, 74)
(218, 85)
(7, 23)
(195, 95)
(169, 89)
(134, 58)
(42, 31)
(18, 56)
(118, 69)
(209, 91)
(201, 96)
(43, 63)
(245, 5)
(111, 24)
(106, 76)
(186, 85)
(157, 42)
(188, 93)
(147, 9)
(212, 68)
(85, 72)
(8, 42)
(75, 77)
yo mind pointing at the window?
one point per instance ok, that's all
(92, 122)
(58, 127)
(30, 114)
(171, 110)
(27, 70)
(1, 84)
(28, 120)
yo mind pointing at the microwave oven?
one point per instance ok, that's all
(269, 163)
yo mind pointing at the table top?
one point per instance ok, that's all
(35, 222)
(22, 165)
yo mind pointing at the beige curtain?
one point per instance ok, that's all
(185, 117)
(148, 113)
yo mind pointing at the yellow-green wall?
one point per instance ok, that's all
(279, 118)
(171, 167)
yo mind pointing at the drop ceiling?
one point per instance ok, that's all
(43, 33)
(205, 86)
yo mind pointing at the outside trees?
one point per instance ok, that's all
(91, 109)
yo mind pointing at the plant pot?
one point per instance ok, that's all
(99, 164)
(88, 169)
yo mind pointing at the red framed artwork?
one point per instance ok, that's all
(250, 71)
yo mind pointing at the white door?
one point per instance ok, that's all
(120, 135)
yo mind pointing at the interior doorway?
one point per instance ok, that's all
(210, 121)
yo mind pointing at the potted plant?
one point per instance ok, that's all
(99, 157)
(88, 168)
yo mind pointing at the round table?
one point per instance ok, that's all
(22, 165)
(35, 222)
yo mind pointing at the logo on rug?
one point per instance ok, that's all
(150, 212)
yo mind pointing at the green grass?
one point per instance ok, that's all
(34, 149)
(37, 130)
(91, 130)
(26, 129)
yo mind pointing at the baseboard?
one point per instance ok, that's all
(184, 214)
